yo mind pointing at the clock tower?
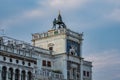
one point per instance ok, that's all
(59, 39)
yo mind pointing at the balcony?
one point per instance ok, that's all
(20, 48)
(48, 75)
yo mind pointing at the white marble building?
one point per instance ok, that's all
(54, 55)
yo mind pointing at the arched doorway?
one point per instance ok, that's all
(23, 75)
(10, 74)
(17, 72)
(4, 72)
(29, 76)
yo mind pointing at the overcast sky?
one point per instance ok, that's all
(98, 19)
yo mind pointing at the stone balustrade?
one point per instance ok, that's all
(56, 32)
(49, 74)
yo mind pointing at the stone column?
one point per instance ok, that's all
(81, 69)
(19, 74)
(33, 75)
(0, 72)
(7, 72)
(13, 74)
(26, 75)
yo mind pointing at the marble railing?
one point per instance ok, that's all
(74, 34)
(87, 63)
(19, 52)
(50, 75)
(57, 32)
(49, 33)
(20, 48)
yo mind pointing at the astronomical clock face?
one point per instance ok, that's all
(73, 48)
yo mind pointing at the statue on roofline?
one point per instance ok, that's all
(58, 22)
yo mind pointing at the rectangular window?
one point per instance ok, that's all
(44, 63)
(78, 75)
(88, 74)
(49, 64)
(84, 73)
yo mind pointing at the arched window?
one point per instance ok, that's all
(23, 62)
(29, 64)
(29, 76)
(51, 48)
(10, 60)
(4, 58)
(17, 74)
(10, 74)
(23, 75)
(4, 72)
(17, 61)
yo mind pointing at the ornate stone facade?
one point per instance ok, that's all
(54, 55)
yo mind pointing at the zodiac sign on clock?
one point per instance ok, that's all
(72, 50)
